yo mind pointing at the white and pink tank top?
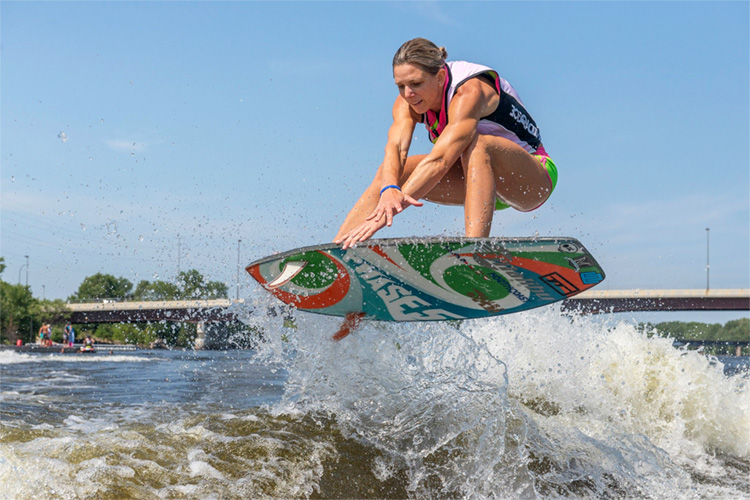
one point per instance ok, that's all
(510, 120)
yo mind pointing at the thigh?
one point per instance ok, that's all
(520, 179)
(450, 190)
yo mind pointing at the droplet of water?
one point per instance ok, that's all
(83, 227)
(63, 136)
(140, 238)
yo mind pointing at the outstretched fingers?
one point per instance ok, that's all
(362, 232)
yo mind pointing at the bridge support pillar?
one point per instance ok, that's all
(200, 338)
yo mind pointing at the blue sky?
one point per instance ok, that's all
(127, 126)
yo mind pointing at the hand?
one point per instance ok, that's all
(361, 232)
(392, 202)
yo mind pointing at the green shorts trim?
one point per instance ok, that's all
(551, 169)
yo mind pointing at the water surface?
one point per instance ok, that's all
(533, 405)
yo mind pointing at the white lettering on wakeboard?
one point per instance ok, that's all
(511, 273)
(395, 297)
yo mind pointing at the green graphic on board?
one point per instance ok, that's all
(319, 272)
(482, 282)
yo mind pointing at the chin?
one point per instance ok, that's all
(420, 109)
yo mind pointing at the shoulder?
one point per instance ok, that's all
(475, 96)
(476, 89)
(403, 112)
(465, 69)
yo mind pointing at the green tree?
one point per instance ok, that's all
(102, 286)
(689, 330)
(17, 308)
(193, 285)
(125, 333)
(737, 329)
(157, 290)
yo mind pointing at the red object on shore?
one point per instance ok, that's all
(19, 342)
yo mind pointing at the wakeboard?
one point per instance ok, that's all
(429, 279)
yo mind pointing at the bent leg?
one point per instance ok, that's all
(499, 165)
(480, 188)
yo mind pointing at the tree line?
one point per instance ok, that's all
(22, 314)
(735, 330)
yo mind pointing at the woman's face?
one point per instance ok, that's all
(422, 90)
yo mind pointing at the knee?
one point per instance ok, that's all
(479, 146)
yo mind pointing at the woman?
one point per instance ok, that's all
(487, 153)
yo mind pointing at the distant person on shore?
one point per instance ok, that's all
(45, 335)
(71, 335)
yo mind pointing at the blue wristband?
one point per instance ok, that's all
(389, 187)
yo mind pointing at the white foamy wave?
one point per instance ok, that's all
(432, 399)
(11, 357)
(586, 406)
(614, 378)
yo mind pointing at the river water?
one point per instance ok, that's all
(533, 405)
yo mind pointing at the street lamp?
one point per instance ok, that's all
(708, 266)
(27, 271)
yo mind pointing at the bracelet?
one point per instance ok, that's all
(389, 187)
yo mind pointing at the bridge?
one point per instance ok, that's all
(612, 301)
(155, 310)
(589, 302)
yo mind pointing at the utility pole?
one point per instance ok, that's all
(708, 265)
(239, 242)
(20, 270)
(31, 328)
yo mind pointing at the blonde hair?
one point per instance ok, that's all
(422, 53)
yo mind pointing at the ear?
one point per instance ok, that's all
(441, 76)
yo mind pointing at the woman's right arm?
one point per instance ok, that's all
(399, 140)
(396, 151)
(369, 213)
